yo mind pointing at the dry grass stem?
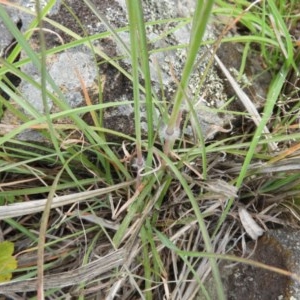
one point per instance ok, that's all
(86, 273)
(34, 206)
(248, 104)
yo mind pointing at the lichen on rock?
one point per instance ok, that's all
(168, 32)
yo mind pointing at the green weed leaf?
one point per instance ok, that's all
(7, 262)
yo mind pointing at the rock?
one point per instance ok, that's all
(279, 248)
(76, 64)
(165, 65)
(290, 241)
(21, 17)
(6, 37)
(18, 18)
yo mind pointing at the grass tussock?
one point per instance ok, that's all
(147, 217)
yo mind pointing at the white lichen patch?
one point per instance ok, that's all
(31, 4)
(242, 80)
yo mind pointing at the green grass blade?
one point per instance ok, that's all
(200, 19)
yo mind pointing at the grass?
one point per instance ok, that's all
(145, 216)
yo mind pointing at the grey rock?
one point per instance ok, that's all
(26, 17)
(290, 241)
(6, 38)
(278, 248)
(165, 66)
(65, 68)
